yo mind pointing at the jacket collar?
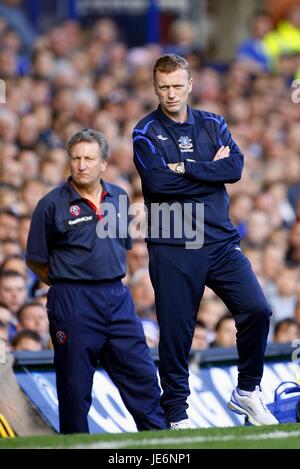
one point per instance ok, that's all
(169, 122)
(74, 194)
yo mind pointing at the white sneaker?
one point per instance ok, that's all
(181, 425)
(253, 407)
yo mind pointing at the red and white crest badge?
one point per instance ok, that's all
(75, 210)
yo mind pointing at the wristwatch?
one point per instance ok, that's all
(179, 168)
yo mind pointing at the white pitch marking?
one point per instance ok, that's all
(195, 439)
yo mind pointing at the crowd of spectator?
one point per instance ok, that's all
(70, 78)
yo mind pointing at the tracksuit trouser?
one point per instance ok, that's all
(91, 322)
(179, 277)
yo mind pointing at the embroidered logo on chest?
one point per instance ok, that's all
(75, 210)
(80, 220)
(161, 137)
(185, 144)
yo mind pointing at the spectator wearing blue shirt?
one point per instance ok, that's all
(252, 51)
(91, 313)
(16, 19)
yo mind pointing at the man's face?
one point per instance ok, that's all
(35, 319)
(226, 335)
(28, 344)
(137, 257)
(200, 339)
(172, 90)
(13, 292)
(86, 164)
(8, 227)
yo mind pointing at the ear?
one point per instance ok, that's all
(190, 84)
(103, 165)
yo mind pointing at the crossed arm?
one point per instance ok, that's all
(223, 152)
(159, 178)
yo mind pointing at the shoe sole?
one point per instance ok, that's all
(239, 410)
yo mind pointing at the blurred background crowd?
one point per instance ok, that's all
(66, 76)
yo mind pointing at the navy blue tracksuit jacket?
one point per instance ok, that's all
(158, 140)
(179, 274)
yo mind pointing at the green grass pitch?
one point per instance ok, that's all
(267, 437)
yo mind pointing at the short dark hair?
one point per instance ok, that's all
(284, 322)
(168, 63)
(21, 311)
(26, 334)
(10, 274)
(12, 256)
(89, 135)
(225, 317)
(200, 323)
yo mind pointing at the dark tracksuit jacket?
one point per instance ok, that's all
(179, 274)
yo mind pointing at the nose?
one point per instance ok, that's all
(82, 165)
(171, 93)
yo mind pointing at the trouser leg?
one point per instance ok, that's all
(75, 355)
(234, 281)
(74, 379)
(178, 277)
(127, 359)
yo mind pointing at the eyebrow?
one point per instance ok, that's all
(83, 156)
(168, 85)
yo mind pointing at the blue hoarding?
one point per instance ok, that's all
(210, 390)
